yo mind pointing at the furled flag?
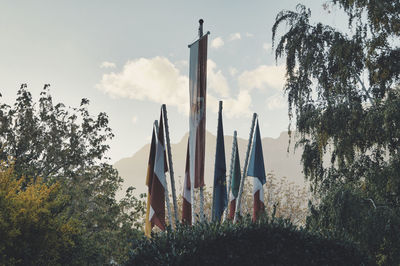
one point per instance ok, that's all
(220, 200)
(236, 176)
(159, 182)
(186, 201)
(149, 179)
(197, 124)
(257, 171)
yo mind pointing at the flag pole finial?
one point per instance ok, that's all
(201, 21)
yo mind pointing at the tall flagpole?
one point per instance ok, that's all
(201, 188)
(238, 203)
(232, 166)
(171, 169)
(166, 186)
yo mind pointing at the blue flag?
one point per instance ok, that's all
(256, 165)
(220, 198)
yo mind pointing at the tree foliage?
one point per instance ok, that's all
(68, 146)
(33, 226)
(343, 91)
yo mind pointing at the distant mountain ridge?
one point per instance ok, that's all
(276, 158)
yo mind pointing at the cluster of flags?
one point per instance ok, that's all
(156, 180)
(157, 183)
(195, 156)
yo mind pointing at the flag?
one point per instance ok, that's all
(149, 179)
(220, 200)
(235, 184)
(159, 182)
(186, 201)
(257, 171)
(197, 124)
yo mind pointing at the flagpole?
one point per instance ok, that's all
(232, 166)
(201, 21)
(171, 169)
(238, 201)
(166, 187)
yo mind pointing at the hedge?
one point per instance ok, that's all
(246, 243)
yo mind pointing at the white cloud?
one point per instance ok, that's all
(158, 80)
(216, 80)
(107, 64)
(240, 106)
(217, 43)
(155, 79)
(134, 119)
(248, 34)
(233, 107)
(235, 36)
(233, 71)
(276, 101)
(267, 46)
(182, 64)
(262, 77)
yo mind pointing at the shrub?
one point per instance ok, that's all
(266, 242)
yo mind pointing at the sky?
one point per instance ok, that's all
(129, 57)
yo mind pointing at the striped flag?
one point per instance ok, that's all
(159, 183)
(197, 124)
(220, 200)
(186, 201)
(257, 171)
(236, 177)
(149, 179)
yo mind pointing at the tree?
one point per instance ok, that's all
(67, 145)
(351, 119)
(33, 227)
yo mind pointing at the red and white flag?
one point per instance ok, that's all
(159, 182)
(197, 124)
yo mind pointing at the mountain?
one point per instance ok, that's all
(276, 158)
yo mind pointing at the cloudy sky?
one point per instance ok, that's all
(129, 57)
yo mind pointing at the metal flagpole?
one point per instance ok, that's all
(201, 188)
(238, 201)
(233, 158)
(171, 169)
(166, 187)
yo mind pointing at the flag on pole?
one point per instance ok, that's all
(257, 171)
(186, 201)
(159, 182)
(197, 124)
(220, 200)
(149, 179)
(236, 176)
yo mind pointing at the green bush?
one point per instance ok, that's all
(262, 243)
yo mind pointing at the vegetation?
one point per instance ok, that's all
(63, 150)
(57, 191)
(33, 226)
(282, 197)
(269, 241)
(343, 90)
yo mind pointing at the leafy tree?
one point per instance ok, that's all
(343, 90)
(33, 227)
(67, 145)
